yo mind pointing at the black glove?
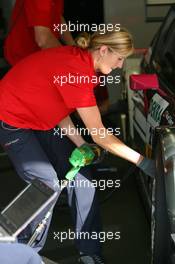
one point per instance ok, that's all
(99, 152)
(148, 166)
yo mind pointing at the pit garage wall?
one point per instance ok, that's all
(130, 14)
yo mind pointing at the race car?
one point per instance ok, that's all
(151, 101)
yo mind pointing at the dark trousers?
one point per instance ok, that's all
(44, 154)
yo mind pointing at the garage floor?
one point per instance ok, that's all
(123, 212)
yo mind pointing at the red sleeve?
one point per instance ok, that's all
(38, 13)
(76, 96)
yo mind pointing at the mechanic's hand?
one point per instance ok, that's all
(148, 166)
(99, 153)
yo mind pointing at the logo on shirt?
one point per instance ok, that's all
(11, 142)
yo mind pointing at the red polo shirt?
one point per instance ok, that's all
(32, 95)
(26, 14)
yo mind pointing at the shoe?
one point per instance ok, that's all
(94, 259)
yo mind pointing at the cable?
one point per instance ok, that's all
(129, 172)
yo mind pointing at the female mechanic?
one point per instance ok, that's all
(39, 93)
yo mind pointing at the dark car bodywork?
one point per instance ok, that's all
(154, 130)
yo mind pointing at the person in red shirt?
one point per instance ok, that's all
(39, 93)
(34, 26)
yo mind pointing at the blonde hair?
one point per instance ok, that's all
(118, 41)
